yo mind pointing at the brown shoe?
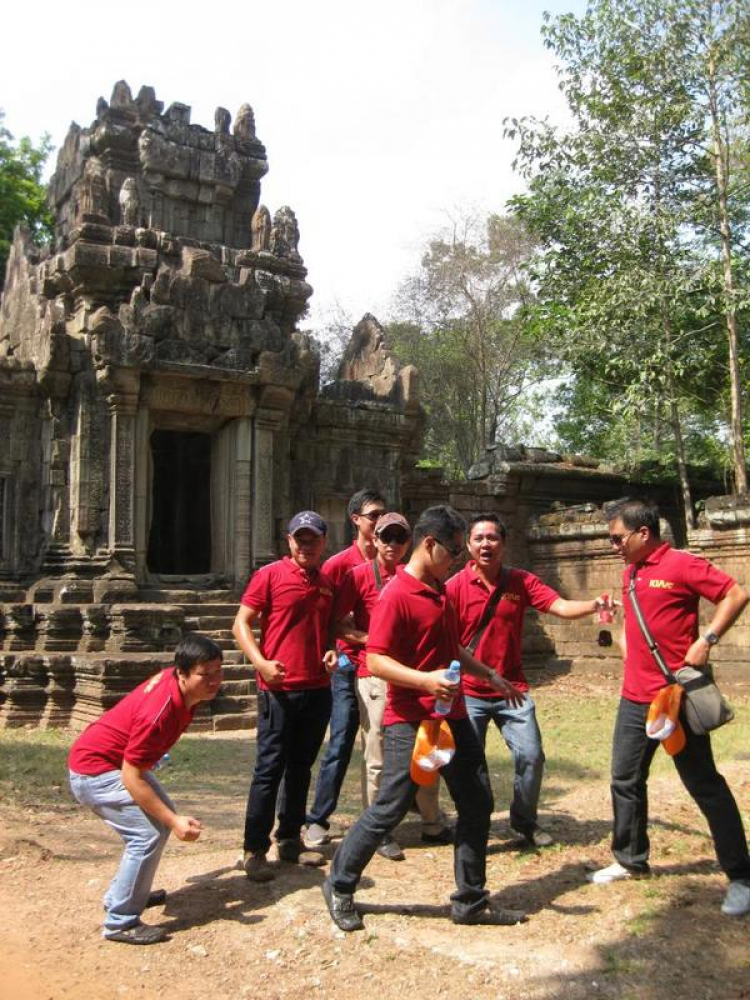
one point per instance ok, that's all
(257, 867)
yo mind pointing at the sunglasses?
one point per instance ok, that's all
(372, 515)
(619, 539)
(397, 535)
(454, 551)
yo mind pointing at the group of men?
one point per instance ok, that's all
(362, 642)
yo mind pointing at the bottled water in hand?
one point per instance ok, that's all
(452, 676)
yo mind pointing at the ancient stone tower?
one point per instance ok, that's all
(160, 410)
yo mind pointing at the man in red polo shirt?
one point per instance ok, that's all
(499, 646)
(357, 596)
(668, 585)
(111, 771)
(412, 639)
(292, 600)
(364, 509)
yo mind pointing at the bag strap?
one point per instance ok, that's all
(378, 577)
(652, 647)
(489, 610)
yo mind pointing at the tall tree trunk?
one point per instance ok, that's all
(674, 420)
(721, 170)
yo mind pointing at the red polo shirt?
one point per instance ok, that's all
(357, 595)
(415, 625)
(295, 606)
(500, 645)
(139, 729)
(337, 569)
(669, 585)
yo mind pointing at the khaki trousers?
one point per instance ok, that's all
(371, 692)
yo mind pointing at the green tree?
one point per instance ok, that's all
(22, 194)
(627, 275)
(458, 319)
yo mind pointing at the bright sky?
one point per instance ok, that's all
(378, 119)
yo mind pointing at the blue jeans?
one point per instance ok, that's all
(520, 730)
(291, 727)
(343, 733)
(144, 839)
(469, 785)
(632, 753)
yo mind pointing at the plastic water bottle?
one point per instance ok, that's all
(452, 676)
(162, 761)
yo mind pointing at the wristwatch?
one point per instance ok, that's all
(711, 638)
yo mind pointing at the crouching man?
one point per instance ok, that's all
(111, 771)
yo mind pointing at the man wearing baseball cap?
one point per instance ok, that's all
(292, 600)
(365, 507)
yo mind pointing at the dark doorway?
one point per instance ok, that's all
(180, 538)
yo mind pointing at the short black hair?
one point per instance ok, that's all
(635, 513)
(441, 522)
(493, 519)
(361, 498)
(194, 648)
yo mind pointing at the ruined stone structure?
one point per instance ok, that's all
(160, 414)
(160, 420)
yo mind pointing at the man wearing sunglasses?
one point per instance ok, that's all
(497, 642)
(364, 509)
(355, 599)
(412, 638)
(668, 587)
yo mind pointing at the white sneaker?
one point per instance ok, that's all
(316, 835)
(737, 900)
(614, 873)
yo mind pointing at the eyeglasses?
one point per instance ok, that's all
(396, 536)
(372, 515)
(454, 551)
(619, 539)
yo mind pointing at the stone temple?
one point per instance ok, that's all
(160, 411)
(160, 421)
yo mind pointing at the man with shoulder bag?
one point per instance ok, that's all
(662, 588)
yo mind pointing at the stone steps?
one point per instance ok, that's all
(66, 659)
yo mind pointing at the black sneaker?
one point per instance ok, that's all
(139, 934)
(341, 907)
(294, 851)
(390, 850)
(442, 837)
(534, 837)
(495, 918)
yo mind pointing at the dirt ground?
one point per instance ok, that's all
(230, 939)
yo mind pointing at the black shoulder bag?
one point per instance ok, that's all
(705, 707)
(489, 610)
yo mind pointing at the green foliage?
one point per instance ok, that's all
(631, 285)
(459, 320)
(22, 194)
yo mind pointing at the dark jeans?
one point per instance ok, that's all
(344, 727)
(291, 727)
(468, 783)
(632, 753)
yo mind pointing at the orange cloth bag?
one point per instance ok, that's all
(434, 747)
(663, 720)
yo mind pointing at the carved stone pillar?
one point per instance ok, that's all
(123, 404)
(266, 425)
(242, 482)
